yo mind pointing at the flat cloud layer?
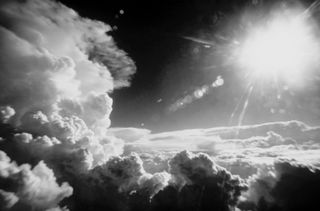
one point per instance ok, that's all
(252, 145)
(57, 152)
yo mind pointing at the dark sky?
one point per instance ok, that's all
(170, 67)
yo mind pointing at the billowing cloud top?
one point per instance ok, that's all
(55, 60)
(57, 72)
(58, 69)
(35, 187)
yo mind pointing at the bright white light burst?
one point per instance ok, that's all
(283, 49)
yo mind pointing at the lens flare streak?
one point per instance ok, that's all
(196, 95)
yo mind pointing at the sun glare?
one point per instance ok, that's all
(283, 49)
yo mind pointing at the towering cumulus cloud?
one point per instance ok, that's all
(57, 69)
(58, 62)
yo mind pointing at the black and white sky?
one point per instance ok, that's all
(159, 105)
(170, 66)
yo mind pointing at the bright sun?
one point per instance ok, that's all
(282, 49)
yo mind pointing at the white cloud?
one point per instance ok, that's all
(6, 112)
(54, 56)
(7, 199)
(36, 187)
